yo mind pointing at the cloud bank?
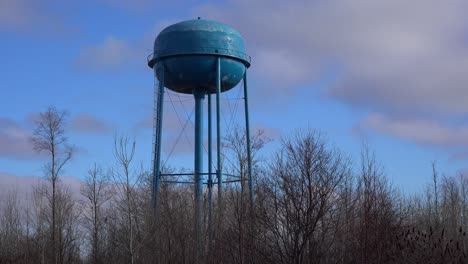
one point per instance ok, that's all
(15, 140)
(112, 54)
(87, 123)
(405, 60)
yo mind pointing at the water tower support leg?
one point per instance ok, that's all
(157, 141)
(249, 167)
(199, 96)
(247, 136)
(218, 135)
(210, 181)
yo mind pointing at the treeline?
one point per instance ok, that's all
(313, 204)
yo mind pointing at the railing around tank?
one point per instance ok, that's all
(151, 59)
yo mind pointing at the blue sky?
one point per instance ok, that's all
(388, 73)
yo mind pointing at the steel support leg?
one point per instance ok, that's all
(218, 134)
(247, 136)
(157, 141)
(199, 97)
(210, 181)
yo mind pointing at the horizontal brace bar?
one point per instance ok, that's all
(231, 175)
(215, 182)
(186, 182)
(184, 174)
(233, 181)
(192, 174)
(176, 174)
(172, 175)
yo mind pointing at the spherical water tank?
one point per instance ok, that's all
(189, 51)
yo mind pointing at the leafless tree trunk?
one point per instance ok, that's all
(97, 191)
(311, 207)
(378, 217)
(39, 219)
(126, 183)
(300, 193)
(240, 221)
(436, 195)
(49, 136)
(10, 227)
(463, 192)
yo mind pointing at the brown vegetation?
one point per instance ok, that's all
(312, 205)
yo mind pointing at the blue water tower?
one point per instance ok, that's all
(202, 58)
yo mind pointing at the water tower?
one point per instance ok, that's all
(202, 58)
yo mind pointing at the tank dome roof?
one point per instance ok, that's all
(197, 37)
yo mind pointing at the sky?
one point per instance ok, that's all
(391, 74)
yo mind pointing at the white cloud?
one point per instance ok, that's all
(14, 140)
(43, 17)
(23, 186)
(396, 55)
(15, 13)
(112, 53)
(148, 6)
(422, 131)
(405, 60)
(89, 123)
(291, 69)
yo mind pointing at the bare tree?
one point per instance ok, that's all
(68, 232)
(10, 227)
(127, 183)
(237, 225)
(38, 220)
(435, 175)
(298, 197)
(97, 192)
(49, 136)
(311, 206)
(378, 217)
